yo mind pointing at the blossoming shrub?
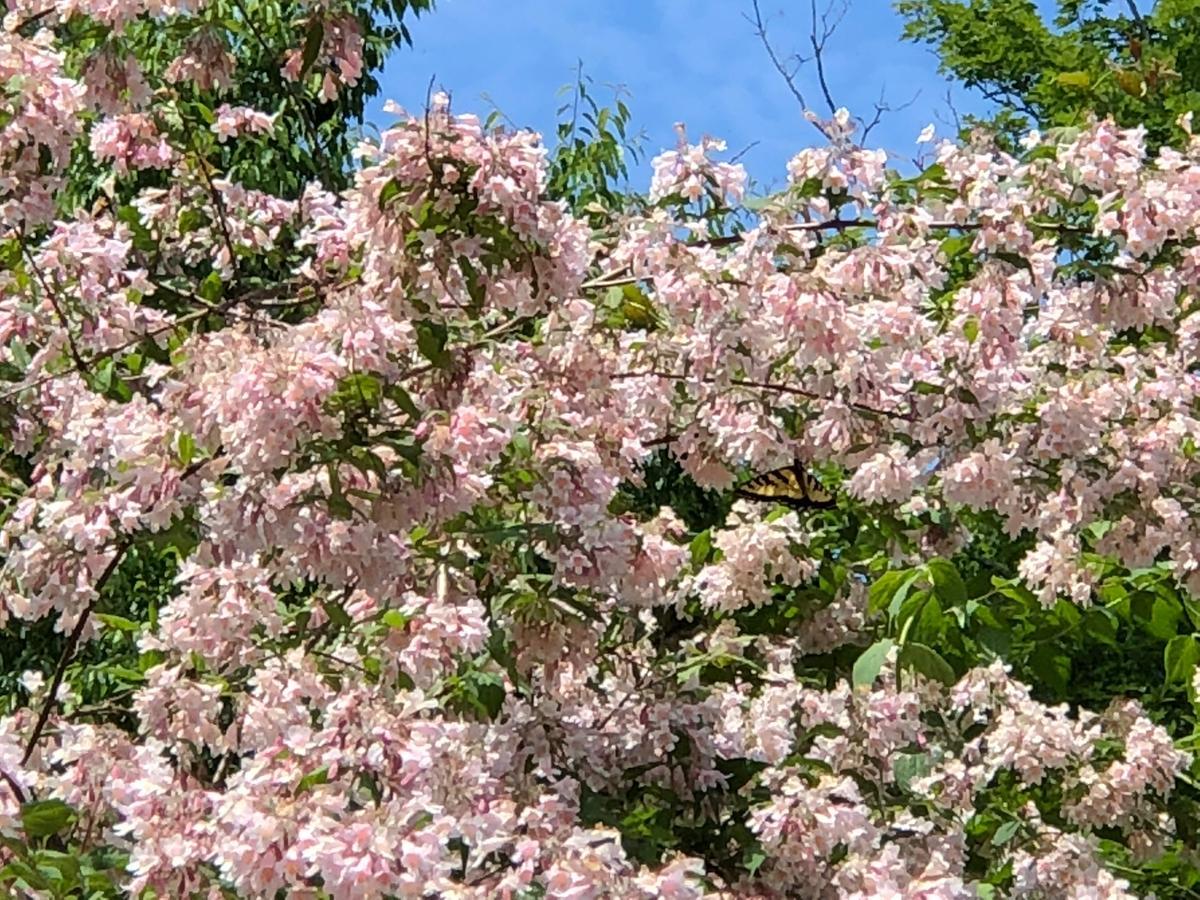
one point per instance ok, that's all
(347, 508)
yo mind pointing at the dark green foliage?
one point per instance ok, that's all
(109, 667)
(664, 483)
(1093, 56)
(313, 137)
(588, 166)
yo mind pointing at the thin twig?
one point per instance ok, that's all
(209, 309)
(881, 107)
(760, 31)
(818, 45)
(288, 86)
(105, 354)
(767, 386)
(34, 19)
(68, 653)
(52, 296)
(13, 786)
(616, 279)
(499, 331)
(1137, 15)
(219, 204)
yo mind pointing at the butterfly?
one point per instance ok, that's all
(791, 485)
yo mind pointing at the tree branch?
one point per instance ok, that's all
(69, 650)
(73, 639)
(760, 31)
(818, 45)
(52, 297)
(768, 386)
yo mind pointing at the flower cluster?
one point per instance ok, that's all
(418, 633)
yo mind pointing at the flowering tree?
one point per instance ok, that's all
(346, 505)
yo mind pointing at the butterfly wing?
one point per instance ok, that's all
(791, 485)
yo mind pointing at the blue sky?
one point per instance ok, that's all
(696, 61)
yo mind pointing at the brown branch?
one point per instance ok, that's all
(52, 296)
(789, 78)
(1137, 15)
(818, 45)
(664, 441)
(767, 386)
(33, 20)
(291, 88)
(105, 354)
(499, 331)
(760, 31)
(68, 653)
(219, 205)
(614, 279)
(208, 309)
(13, 786)
(881, 107)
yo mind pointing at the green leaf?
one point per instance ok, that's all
(700, 547)
(1073, 79)
(753, 860)
(20, 354)
(312, 779)
(474, 283)
(1005, 833)
(211, 288)
(124, 673)
(997, 641)
(490, 690)
(387, 193)
(337, 614)
(64, 866)
(1130, 82)
(103, 377)
(637, 308)
(431, 341)
(928, 662)
(118, 623)
(190, 220)
(870, 662)
(312, 45)
(401, 398)
(1100, 625)
(890, 591)
(1014, 590)
(909, 767)
(947, 583)
(204, 112)
(1162, 617)
(45, 817)
(881, 590)
(1013, 259)
(1052, 668)
(971, 329)
(20, 870)
(393, 618)
(186, 448)
(1180, 658)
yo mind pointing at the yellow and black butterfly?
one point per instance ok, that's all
(791, 485)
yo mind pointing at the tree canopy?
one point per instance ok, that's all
(1105, 57)
(375, 518)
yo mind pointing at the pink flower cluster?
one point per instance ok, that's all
(416, 645)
